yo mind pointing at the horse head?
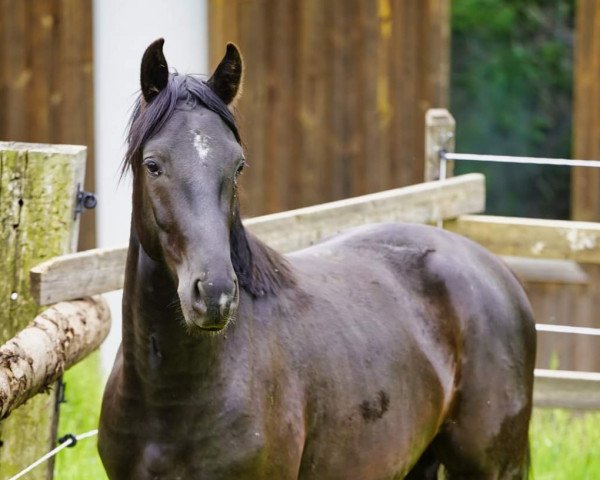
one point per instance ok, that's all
(185, 155)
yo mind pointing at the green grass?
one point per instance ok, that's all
(79, 415)
(564, 445)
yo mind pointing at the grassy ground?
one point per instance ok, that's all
(564, 445)
(79, 415)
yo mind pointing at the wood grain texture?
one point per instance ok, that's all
(335, 94)
(55, 340)
(566, 304)
(73, 276)
(585, 187)
(440, 133)
(37, 197)
(422, 203)
(46, 79)
(583, 305)
(101, 270)
(567, 296)
(526, 237)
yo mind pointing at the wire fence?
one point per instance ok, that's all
(545, 327)
(561, 162)
(66, 441)
(71, 440)
(475, 157)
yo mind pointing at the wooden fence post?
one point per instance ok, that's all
(38, 189)
(439, 134)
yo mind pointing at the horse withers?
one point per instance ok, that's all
(390, 351)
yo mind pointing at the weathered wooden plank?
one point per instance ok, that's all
(422, 203)
(98, 270)
(440, 129)
(560, 291)
(566, 389)
(526, 237)
(37, 196)
(55, 340)
(101, 270)
(537, 270)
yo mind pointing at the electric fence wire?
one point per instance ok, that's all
(67, 441)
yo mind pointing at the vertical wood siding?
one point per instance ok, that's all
(584, 306)
(46, 88)
(335, 93)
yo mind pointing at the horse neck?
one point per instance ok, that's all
(156, 347)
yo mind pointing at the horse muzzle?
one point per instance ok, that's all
(213, 303)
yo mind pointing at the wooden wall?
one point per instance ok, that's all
(335, 93)
(585, 191)
(567, 304)
(334, 103)
(578, 304)
(46, 89)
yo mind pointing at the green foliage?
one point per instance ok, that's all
(79, 415)
(565, 445)
(511, 91)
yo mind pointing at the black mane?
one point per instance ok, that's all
(260, 270)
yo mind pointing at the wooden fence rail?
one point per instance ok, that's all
(55, 340)
(101, 270)
(532, 237)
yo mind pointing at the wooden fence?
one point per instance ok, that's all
(449, 202)
(334, 93)
(38, 192)
(46, 79)
(546, 254)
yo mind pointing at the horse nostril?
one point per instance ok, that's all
(224, 303)
(200, 307)
(198, 302)
(199, 290)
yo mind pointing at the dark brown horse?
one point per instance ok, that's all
(382, 353)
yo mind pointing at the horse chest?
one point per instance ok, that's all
(199, 441)
(209, 459)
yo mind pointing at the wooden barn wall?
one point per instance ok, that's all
(46, 89)
(578, 304)
(335, 93)
(575, 305)
(586, 111)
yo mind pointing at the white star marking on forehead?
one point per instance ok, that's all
(201, 145)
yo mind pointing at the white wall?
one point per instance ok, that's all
(122, 31)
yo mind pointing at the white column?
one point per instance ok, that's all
(122, 31)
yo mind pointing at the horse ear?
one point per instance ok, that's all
(227, 79)
(154, 74)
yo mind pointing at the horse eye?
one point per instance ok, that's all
(152, 168)
(239, 169)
